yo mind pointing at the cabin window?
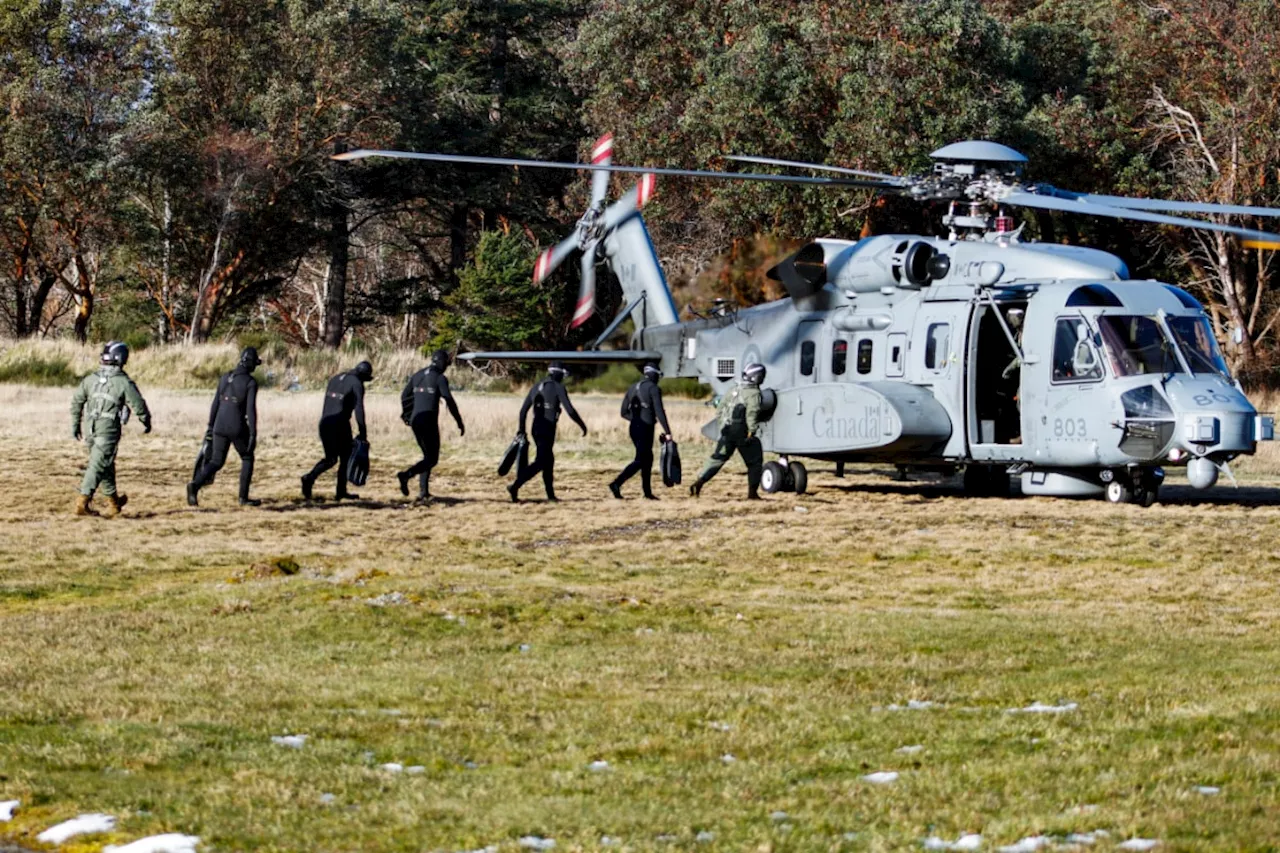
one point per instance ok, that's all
(1074, 357)
(937, 341)
(839, 357)
(808, 351)
(864, 355)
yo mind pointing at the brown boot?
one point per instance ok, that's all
(83, 507)
(115, 503)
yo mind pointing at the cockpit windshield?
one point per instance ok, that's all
(1195, 339)
(1136, 345)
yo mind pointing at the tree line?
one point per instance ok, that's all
(166, 171)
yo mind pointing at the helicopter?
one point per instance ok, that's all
(978, 352)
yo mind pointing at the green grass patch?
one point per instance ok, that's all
(34, 370)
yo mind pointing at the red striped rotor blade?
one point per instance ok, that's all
(586, 305)
(552, 258)
(601, 155)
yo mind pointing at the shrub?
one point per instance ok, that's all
(34, 370)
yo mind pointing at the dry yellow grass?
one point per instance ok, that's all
(504, 649)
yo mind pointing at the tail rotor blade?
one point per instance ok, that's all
(587, 293)
(601, 155)
(636, 198)
(552, 258)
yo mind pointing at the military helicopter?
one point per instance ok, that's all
(979, 352)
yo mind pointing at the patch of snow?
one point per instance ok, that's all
(172, 842)
(727, 758)
(391, 767)
(705, 836)
(609, 841)
(1039, 708)
(720, 727)
(739, 617)
(415, 770)
(972, 841)
(909, 750)
(1030, 844)
(387, 599)
(801, 509)
(1140, 844)
(883, 777)
(667, 838)
(525, 648)
(391, 712)
(327, 799)
(291, 741)
(779, 817)
(1207, 790)
(82, 825)
(7, 808)
(850, 836)
(492, 848)
(913, 705)
(1087, 838)
(598, 766)
(535, 842)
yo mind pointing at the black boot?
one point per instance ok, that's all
(248, 501)
(306, 487)
(616, 489)
(403, 477)
(695, 489)
(514, 492)
(193, 492)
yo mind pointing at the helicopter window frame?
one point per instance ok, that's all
(866, 352)
(808, 357)
(937, 345)
(1074, 321)
(839, 357)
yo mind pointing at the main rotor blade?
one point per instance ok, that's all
(1048, 202)
(796, 164)
(363, 153)
(586, 305)
(553, 257)
(1161, 204)
(601, 155)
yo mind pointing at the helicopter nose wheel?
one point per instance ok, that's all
(1142, 488)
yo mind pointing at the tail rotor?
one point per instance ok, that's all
(591, 230)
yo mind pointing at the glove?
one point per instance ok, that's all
(665, 437)
(584, 430)
(75, 433)
(362, 437)
(146, 428)
(462, 428)
(253, 441)
(408, 421)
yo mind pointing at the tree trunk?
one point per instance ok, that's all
(335, 305)
(458, 241)
(84, 314)
(38, 299)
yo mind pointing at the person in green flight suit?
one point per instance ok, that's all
(738, 416)
(104, 400)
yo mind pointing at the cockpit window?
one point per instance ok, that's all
(1195, 339)
(1136, 345)
(1074, 358)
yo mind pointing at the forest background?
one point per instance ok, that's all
(165, 171)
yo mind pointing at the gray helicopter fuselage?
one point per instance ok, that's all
(888, 360)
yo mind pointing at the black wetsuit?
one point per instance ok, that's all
(233, 420)
(643, 407)
(343, 396)
(420, 409)
(546, 399)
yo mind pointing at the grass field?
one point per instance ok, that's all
(738, 667)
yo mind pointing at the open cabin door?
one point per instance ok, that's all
(994, 384)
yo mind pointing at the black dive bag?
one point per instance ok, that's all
(517, 456)
(671, 473)
(358, 464)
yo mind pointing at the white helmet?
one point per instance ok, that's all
(753, 373)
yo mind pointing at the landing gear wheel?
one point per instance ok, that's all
(799, 478)
(1146, 497)
(773, 478)
(1119, 492)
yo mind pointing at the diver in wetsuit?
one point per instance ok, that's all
(343, 397)
(233, 422)
(546, 399)
(420, 409)
(642, 405)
